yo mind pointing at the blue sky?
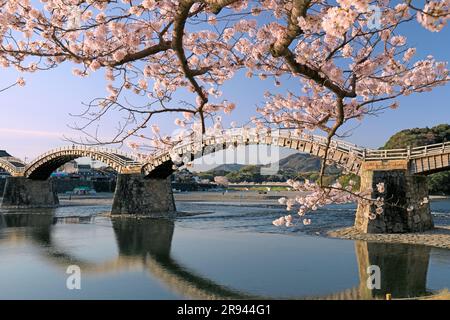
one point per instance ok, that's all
(34, 118)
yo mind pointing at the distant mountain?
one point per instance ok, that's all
(297, 162)
(419, 137)
(438, 183)
(300, 162)
(229, 167)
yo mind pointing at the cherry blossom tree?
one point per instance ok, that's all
(347, 57)
(221, 181)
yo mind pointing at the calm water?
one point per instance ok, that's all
(233, 252)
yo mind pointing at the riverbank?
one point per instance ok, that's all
(441, 295)
(100, 199)
(438, 237)
(248, 197)
(245, 197)
(438, 197)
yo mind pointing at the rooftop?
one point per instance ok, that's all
(3, 153)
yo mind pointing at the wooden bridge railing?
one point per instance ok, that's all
(253, 136)
(245, 136)
(110, 154)
(408, 153)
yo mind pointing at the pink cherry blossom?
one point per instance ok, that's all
(21, 82)
(380, 187)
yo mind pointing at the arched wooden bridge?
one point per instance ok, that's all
(143, 186)
(421, 160)
(42, 167)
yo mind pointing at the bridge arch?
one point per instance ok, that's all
(12, 165)
(5, 165)
(343, 154)
(42, 167)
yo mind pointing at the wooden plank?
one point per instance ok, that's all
(438, 160)
(288, 142)
(315, 150)
(330, 154)
(356, 166)
(294, 144)
(337, 155)
(426, 164)
(308, 147)
(423, 163)
(419, 165)
(446, 160)
(321, 152)
(344, 158)
(432, 162)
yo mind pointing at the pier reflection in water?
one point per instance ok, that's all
(403, 268)
(145, 245)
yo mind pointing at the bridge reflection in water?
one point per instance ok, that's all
(146, 244)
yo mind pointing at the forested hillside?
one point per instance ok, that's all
(439, 183)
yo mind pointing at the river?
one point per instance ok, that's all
(233, 251)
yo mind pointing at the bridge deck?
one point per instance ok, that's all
(422, 160)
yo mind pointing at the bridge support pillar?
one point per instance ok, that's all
(406, 207)
(20, 192)
(149, 197)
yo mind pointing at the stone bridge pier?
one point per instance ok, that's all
(137, 195)
(134, 195)
(21, 192)
(406, 206)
